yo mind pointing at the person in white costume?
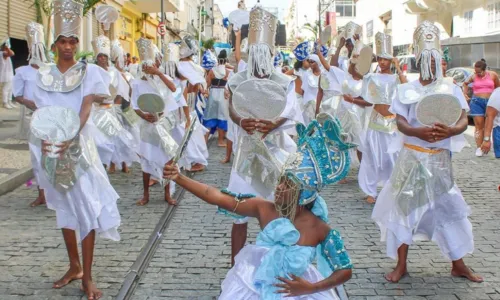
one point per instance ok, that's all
(310, 87)
(118, 147)
(300, 68)
(379, 89)
(260, 68)
(152, 150)
(6, 74)
(421, 200)
(24, 84)
(195, 157)
(89, 206)
(294, 229)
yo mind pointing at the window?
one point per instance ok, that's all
(494, 15)
(369, 29)
(345, 8)
(468, 16)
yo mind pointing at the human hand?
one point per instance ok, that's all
(342, 42)
(295, 287)
(443, 131)
(61, 148)
(188, 123)
(356, 37)
(486, 147)
(249, 125)
(348, 98)
(395, 61)
(426, 134)
(171, 172)
(150, 117)
(227, 94)
(151, 70)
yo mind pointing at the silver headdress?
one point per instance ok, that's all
(36, 44)
(67, 18)
(351, 29)
(117, 54)
(426, 45)
(172, 57)
(106, 15)
(146, 51)
(383, 46)
(101, 45)
(189, 47)
(261, 41)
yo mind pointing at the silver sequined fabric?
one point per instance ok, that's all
(438, 108)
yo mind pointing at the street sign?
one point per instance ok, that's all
(161, 29)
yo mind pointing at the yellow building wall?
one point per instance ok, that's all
(130, 28)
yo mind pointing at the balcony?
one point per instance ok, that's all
(154, 6)
(439, 11)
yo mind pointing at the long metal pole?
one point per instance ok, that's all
(199, 32)
(319, 20)
(162, 37)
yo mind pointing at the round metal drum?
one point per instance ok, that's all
(260, 99)
(55, 123)
(438, 108)
(151, 103)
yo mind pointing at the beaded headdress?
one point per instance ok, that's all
(278, 59)
(426, 45)
(351, 29)
(321, 159)
(146, 51)
(383, 45)
(117, 53)
(261, 40)
(67, 18)
(102, 45)
(302, 51)
(209, 61)
(36, 44)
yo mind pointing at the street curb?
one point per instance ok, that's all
(14, 180)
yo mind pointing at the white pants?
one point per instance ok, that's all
(6, 88)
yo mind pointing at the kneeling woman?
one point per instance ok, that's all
(294, 228)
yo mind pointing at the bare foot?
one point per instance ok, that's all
(144, 201)
(112, 168)
(71, 275)
(370, 200)
(170, 200)
(39, 201)
(396, 275)
(152, 182)
(225, 160)
(197, 168)
(459, 269)
(90, 289)
(343, 181)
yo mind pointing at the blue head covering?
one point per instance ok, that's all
(321, 159)
(209, 60)
(302, 51)
(324, 49)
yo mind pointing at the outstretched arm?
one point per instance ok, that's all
(237, 46)
(247, 207)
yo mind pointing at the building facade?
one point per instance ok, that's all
(220, 33)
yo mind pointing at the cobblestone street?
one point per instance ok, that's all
(193, 257)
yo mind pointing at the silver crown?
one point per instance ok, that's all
(426, 37)
(189, 47)
(172, 53)
(262, 28)
(102, 45)
(67, 18)
(383, 45)
(34, 34)
(351, 29)
(146, 50)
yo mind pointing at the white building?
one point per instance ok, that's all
(220, 33)
(301, 12)
(387, 16)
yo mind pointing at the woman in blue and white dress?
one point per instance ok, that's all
(294, 230)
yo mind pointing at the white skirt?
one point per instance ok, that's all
(196, 150)
(125, 148)
(89, 205)
(238, 284)
(377, 164)
(442, 218)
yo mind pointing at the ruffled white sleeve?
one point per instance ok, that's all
(399, 108)
(96, 82)
(336, 76)
(135, 93)
(18, 83)
(123, 87)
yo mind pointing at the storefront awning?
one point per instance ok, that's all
(154, 6)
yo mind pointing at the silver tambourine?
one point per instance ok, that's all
(151, 103)
(106, 15)
(239, 18)
(364, 60)
(259, 99)
(438, 108)
(326, 35)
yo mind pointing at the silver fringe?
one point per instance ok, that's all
(425, 61)
(260, 60)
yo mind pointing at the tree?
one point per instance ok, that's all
(314, 29)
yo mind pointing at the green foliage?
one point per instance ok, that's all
(208, 44)
(83, 54)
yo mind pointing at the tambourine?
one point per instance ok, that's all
(106, 15)
(364, 60)
(438, 108)
(239, 18)
(151, 103)
(259, 99)
(326, 35)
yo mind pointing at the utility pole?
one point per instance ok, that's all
(319, 19)
(199, 30)
(162, 38)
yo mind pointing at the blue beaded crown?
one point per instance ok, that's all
(302, 51)
(209, 60)
(321, 159)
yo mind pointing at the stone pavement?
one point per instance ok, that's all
(32, 251)
(193, 257)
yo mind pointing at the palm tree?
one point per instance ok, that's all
(314, 29)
